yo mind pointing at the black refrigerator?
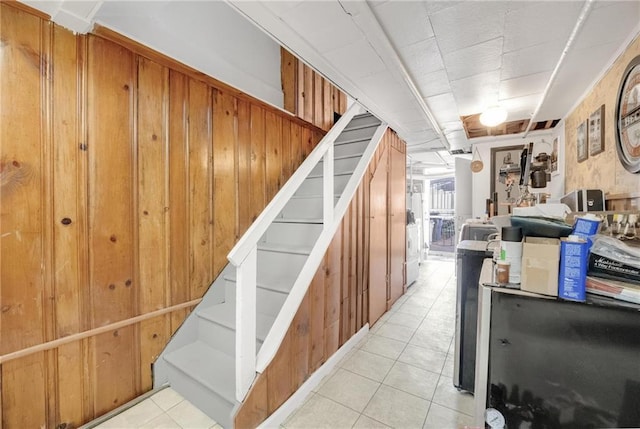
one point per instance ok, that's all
(556, 364)
(470, 255)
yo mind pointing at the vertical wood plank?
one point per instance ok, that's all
(279, 375)
(152, 151)
(354, 303)
(308, 94)
(21, 318)
(70, 384)
(300, 95)
(109, 122)
(300, 356)
(154, 335)
(318, 99)
(243, 151)
(273, 131)
(68, 217)
(287, 153)
(200, 186)
(316, 320)
(179, 195)
(289, 74)
(297, 151)
(23, 382)
(114, 382)
(258, 161)
(327, 106)
(224, 175)
(397, 242)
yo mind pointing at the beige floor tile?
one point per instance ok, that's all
(383, 346)
(320, 412)
(440, 417)
(163, 421)
(411, 379)
(376, 327)
(433, 341)
(167, 398)
(448, 365)
(397, 409)
(431, 360)
(396, 332)
(325, 379)
(135, 416)
(188, 416)
(404, 319)
(416, 310)
(368, 365)
(448, 396)
(349, 389)
(365, 422)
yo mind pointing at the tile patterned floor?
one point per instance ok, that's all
(399, 376)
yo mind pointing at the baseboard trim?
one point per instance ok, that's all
(297, 399)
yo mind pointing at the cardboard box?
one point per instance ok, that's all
(540, 263)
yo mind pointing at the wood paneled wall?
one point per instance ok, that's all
(307, 94)
(335, 306)
(126, 179)
(604, 170)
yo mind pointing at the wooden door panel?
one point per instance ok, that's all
(397, 219)
(378, 242)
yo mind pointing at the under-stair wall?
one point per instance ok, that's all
(334, 308)
(126, 179)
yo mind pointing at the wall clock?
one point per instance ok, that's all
(628, 117)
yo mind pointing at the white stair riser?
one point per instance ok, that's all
(359, 121)
(313, 185)
(362, 133)
(304, 208)
(294, 234)
(279, 268)
(218, 336)
(199, 395)
(348, 149)
(267, 301)
(345, 165)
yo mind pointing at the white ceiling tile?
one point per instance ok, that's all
(357, 59)
(524, 85)
(468, 24)
(279, 8)
(311, 15)
(626, 16)
(405, 22)
(535, 59)
(475, 93)
(521, 107)
(437, 6)
(80, 8)
(423, 56)
(330, 38)
(473, 60)
(443, 107)
(433, 83)
(540, 22)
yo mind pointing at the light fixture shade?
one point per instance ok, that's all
(493, 116)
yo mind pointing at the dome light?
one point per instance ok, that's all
(493, 116)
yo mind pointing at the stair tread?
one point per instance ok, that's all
(261, 284)
(360, 127)
(295, 197)
(225, 314)
(356, 140)
(320, 176)
(297, 220)
(285, 248)
(210, 367)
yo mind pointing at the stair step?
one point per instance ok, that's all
(313, 185)
(261, 285)
(282, 248)
(206, 377)
(341, 165)
(335, 175)
(363, 119)
(356, 147)
(359, 133)
(298, 220)
(293, 231)
(225, 315)
(358, 126)
(309, 208)
(269, 297)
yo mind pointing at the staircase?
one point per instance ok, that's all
(201, 361)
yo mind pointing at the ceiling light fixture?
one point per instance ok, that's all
(493, 116)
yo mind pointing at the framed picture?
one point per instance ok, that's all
(581, 142)
(505, 177)
(596, 131)
(554, 156)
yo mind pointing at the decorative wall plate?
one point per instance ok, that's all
(628, 117)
